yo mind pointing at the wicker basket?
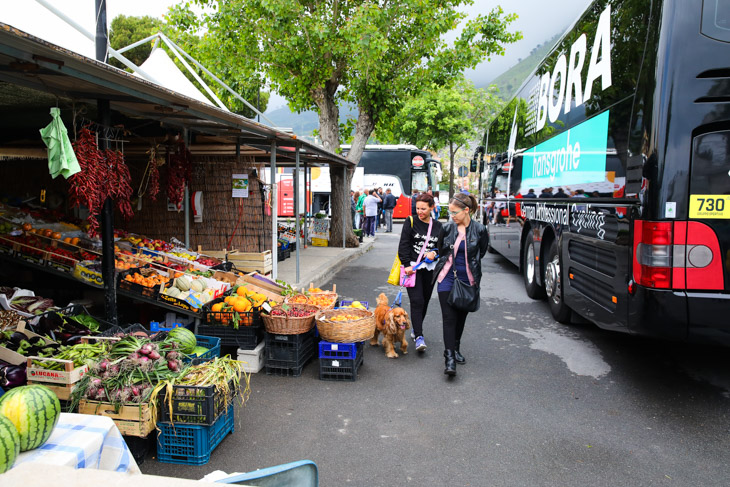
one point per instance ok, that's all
(284, 325)
(346, 331)
(330, 295)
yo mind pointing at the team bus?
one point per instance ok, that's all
(402, 168)
(608, 175)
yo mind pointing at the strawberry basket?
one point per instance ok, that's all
(290, 319)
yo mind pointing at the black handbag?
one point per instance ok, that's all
(464, 297)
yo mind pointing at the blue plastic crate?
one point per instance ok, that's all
(213, 344)
(340, 369)
(155, 326)
(339, 350)
(192, 444)
(348, 303)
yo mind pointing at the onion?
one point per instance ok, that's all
(154, 355)
(172, 365)
(172, 355)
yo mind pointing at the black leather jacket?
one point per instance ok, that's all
(477, 239)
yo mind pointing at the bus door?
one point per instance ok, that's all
(707, 245)
(498, 213)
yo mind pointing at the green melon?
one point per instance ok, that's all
(9, 444)
(34, 410)
(198, 351)
(184, 338)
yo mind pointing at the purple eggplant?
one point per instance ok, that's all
(12, 375)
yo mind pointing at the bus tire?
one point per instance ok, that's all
(553, 285)
(530, 269)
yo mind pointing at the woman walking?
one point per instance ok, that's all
(461, 245)
(418, 242)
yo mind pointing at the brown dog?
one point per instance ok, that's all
(392, 323)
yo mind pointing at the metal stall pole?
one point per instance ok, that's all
(296, 205)
(108, 269)
(186, 197)
(307, 202)
(274, 214)
(345, 208)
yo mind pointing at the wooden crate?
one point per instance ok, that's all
(63, 392)
(69, 375)
(130, 420)
(245, 261)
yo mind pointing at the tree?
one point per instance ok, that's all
(373, 54)
(126, 30)
(448, 116)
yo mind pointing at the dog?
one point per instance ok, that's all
(392, 323)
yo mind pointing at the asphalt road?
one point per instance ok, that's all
(537, 404)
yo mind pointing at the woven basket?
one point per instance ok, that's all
(284, 325)
(346, 331)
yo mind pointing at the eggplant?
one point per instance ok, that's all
(17, 337)
(12, 375)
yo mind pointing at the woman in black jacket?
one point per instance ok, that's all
(470, 239)
(412, 241)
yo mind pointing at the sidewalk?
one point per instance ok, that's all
(318, 264)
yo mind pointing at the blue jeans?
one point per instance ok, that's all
(389, 220)
(369, 227)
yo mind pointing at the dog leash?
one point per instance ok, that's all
(399, 297)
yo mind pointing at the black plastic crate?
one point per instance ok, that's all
(133, 287)
(284, 371)
(228, 318)
(245, 337)
(289, 356)
(340, 369)
(295, 339)
(195, 404)
(283, 254)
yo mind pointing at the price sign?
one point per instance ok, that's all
(709, 206)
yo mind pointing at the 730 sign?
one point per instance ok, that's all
(709, 206)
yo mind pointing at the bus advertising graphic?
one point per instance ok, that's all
(576, 156)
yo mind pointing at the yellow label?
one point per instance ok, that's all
(709, 206)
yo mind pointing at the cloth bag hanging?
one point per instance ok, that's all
(61, 157)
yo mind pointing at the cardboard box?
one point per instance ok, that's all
(135, 420)
(260, 284)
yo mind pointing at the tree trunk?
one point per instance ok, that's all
(451, 171)
(329, 131)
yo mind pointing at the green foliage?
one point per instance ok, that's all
(126, 30)
(319, 54)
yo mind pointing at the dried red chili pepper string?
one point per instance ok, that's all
(179, 172)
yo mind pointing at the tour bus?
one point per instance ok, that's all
(607, 177)
(402, 168)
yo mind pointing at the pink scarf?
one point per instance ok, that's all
(450, 262)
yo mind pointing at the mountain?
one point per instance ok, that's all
(510, 81)
(305, 122)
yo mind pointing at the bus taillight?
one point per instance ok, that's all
(681, 255)
(653, 254)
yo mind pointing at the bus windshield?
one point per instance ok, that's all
(419, 181)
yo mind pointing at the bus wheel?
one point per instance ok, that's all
(553, 286)
(530, 270)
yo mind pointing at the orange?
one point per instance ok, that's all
(217, 307)
(242, 305)
(241, 291)
(75, 241)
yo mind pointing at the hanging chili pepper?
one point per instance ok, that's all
(179, 172)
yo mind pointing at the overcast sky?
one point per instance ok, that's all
(538, 20)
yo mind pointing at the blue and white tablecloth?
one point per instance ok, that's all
(84, 441)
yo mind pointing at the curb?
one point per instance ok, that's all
(326, 273)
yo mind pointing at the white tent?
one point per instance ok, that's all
(163, 69)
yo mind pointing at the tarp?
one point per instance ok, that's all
(160, 66)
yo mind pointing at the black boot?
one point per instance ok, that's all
(450, 363)
(458, 356)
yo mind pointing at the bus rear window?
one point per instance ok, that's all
(716, 19)
(711, 164)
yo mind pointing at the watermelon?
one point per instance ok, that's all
(9, 444)
(34, 410)
(184, 338)
(198, 351)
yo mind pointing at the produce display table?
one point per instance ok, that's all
(84, 441)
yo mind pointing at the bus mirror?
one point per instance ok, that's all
(473, 165)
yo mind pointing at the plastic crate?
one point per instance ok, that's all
(155, 326)
(195, 404)
(285, 372)
(245, 337)
(296, 339)
(213, 344)
(339, 350)
(340, 369)
(132, 287)
(287, 356)
(192, 444)
(253, 359)
(343, 304)
(225, 318)
(320, 242)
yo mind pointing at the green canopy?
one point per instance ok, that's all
(61, 157)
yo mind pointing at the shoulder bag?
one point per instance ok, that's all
(394, 278)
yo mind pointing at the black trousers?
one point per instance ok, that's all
(419, 296)
(453, 319)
